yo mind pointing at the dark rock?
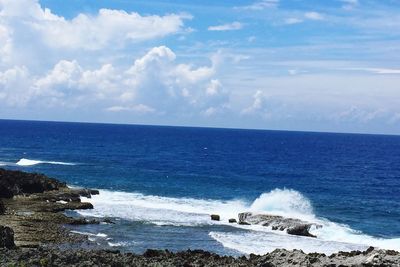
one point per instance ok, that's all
(215, 217)
(83, 221)
(232, 221)
(292, 226)
(109, 221)
(279, 257)
(301, 229)
(94, 192)
(6, 237)
(2, 207)
(17, 182)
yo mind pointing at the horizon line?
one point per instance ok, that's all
(201, 127)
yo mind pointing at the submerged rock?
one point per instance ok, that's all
(6, 237)
(292, 226)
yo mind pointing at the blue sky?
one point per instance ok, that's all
(269, 64)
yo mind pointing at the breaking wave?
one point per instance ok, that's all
(159, 210)
(30, 162)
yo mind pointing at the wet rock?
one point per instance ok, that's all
(108, 221)
(94, 192)
(215, 217)
(6, 237)
(292, 226)
(232, 221)
(301, 229)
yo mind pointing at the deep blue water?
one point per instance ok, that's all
(349, 179)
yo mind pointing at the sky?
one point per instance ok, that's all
(303, 65)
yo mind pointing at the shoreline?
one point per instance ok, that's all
(32, 205)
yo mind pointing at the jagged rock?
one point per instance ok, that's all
(292, 226)
(278, 257)
(215, 217)
(17, 182)
(232, 220)
(6, 237)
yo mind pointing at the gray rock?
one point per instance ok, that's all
(232, 220)
(292, 226)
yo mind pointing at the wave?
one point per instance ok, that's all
(29, 162)
(159, 210)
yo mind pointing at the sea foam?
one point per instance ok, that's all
(30, 162)
(159, 210)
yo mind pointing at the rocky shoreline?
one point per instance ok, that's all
(33, 232)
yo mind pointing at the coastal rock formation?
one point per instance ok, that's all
(34, 204)
(292, 226)
(6, 237)
(279, 257)
(17, 182)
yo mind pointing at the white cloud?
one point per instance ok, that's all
(258, 104)
(349, 4)
(377, 70)
(84, 31)
(13, 83)
(140, 108)
(155, 83)
(261, 5)
(293, 21)
(313, 16)
(227, 27)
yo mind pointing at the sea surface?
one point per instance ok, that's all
(160, 184)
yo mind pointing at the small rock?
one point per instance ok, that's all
(215, 217)
(94, 192)
(232, 220)
(109, 221)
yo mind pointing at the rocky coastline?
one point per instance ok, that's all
(33, 231)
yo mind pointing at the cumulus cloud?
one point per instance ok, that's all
(258, 104)
(227, 27)
(86, 31)
(154, 83)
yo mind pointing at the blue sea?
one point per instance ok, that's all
(160, 184)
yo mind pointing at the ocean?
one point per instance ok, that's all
(160, 184)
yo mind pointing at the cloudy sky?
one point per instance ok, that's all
(269, 64)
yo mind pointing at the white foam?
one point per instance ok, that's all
(262, 242)
(121, 244)
(196, 212)
(101, 235)
(29, 162)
